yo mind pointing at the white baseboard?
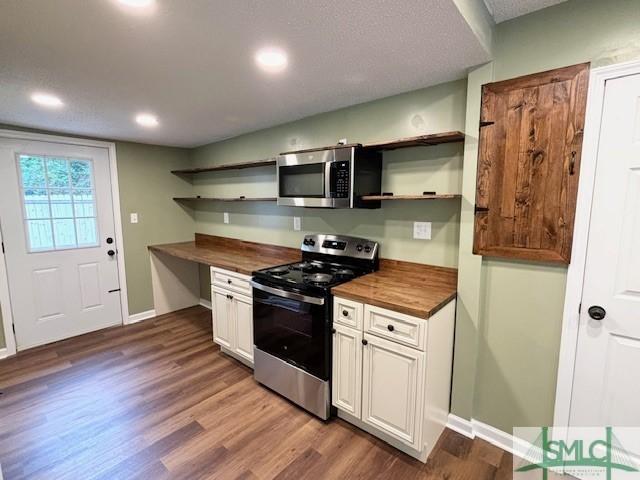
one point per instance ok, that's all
(138, 317)
(4, 353)
(205, 303)
(475, 428)
(460, 425)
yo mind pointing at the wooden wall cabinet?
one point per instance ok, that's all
(530, 145)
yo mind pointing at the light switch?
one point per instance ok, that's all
(134, 218)
(297, 224)
(422, 230)
(226, 217)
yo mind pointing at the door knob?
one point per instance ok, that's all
(111, 253)
(109, 240)
(597, 313)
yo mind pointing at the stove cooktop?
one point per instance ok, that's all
(310, 273)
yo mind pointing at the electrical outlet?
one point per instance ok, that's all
(226, 217)
(342, 141)
(422, 230)
(297, 223)
(134, 218)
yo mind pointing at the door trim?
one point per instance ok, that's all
(5, 300)
(575, 274)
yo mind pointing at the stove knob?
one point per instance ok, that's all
(312, 242)
(305, 241)
(367, 248)
(359, 248)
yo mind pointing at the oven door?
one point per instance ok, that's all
(293, 327)
(304, 179)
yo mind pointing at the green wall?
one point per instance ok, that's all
(435, 109)
(147, 187)
(522, 303)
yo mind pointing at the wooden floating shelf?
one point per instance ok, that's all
(225, 199)
(229, 166)
(412, 197)
(419, 141)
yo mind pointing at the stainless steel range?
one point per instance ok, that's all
(293, 317)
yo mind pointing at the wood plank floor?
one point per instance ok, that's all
(158, 400)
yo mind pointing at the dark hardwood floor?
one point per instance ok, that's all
(158, 400)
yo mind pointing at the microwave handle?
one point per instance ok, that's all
(328, 179)
(286, 294)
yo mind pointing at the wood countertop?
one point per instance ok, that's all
(412, 288)
(230, 254)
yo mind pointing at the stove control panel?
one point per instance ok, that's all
(340, 245)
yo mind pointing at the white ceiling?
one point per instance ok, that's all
(503, 10)
(191, 62)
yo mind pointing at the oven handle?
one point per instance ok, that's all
(286, 294)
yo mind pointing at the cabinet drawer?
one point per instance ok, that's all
(398, 327)
(233, 281)
(347, 313)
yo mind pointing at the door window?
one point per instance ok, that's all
(58, 199)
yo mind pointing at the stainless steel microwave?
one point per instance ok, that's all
(333, 177)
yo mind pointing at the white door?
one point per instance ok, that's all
(56, 214)
(346, 382)
(606, 387)
(392, 389)
(222, 318)
(243, 313)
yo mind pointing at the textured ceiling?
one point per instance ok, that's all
(502, 10)
(191, 61)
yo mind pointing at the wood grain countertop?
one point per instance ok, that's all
(230, 254)
(412, 288)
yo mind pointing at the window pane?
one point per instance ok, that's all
(81, 173)
(32, 171)
(61, 206)
(87, 234)
(64, 232)
(40, 236)
(36, 203)
(83, 196)
(84, 209)
(57, 172)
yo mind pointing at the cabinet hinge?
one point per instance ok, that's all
(580, 307)
(13, 327)
(2, 247)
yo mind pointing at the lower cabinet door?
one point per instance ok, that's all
(223, 323)
(393, 389)
(346, 383)
(244, 326)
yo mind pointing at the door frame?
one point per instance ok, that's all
(5, 299)
(576, 272)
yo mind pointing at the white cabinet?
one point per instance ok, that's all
(391, 373)
(244, 326)
(347, 369)
(392, 389)
(232, 314)
(221, 310)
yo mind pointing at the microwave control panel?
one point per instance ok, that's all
(340, 179)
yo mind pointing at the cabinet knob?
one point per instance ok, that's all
(364, 342)
(229, 281)
(345, 313)
(390, 328)
(230, 297)
(333, 330)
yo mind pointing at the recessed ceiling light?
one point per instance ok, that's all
(46, 100)
(136, 3)
(147, 120)
(271, 59)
